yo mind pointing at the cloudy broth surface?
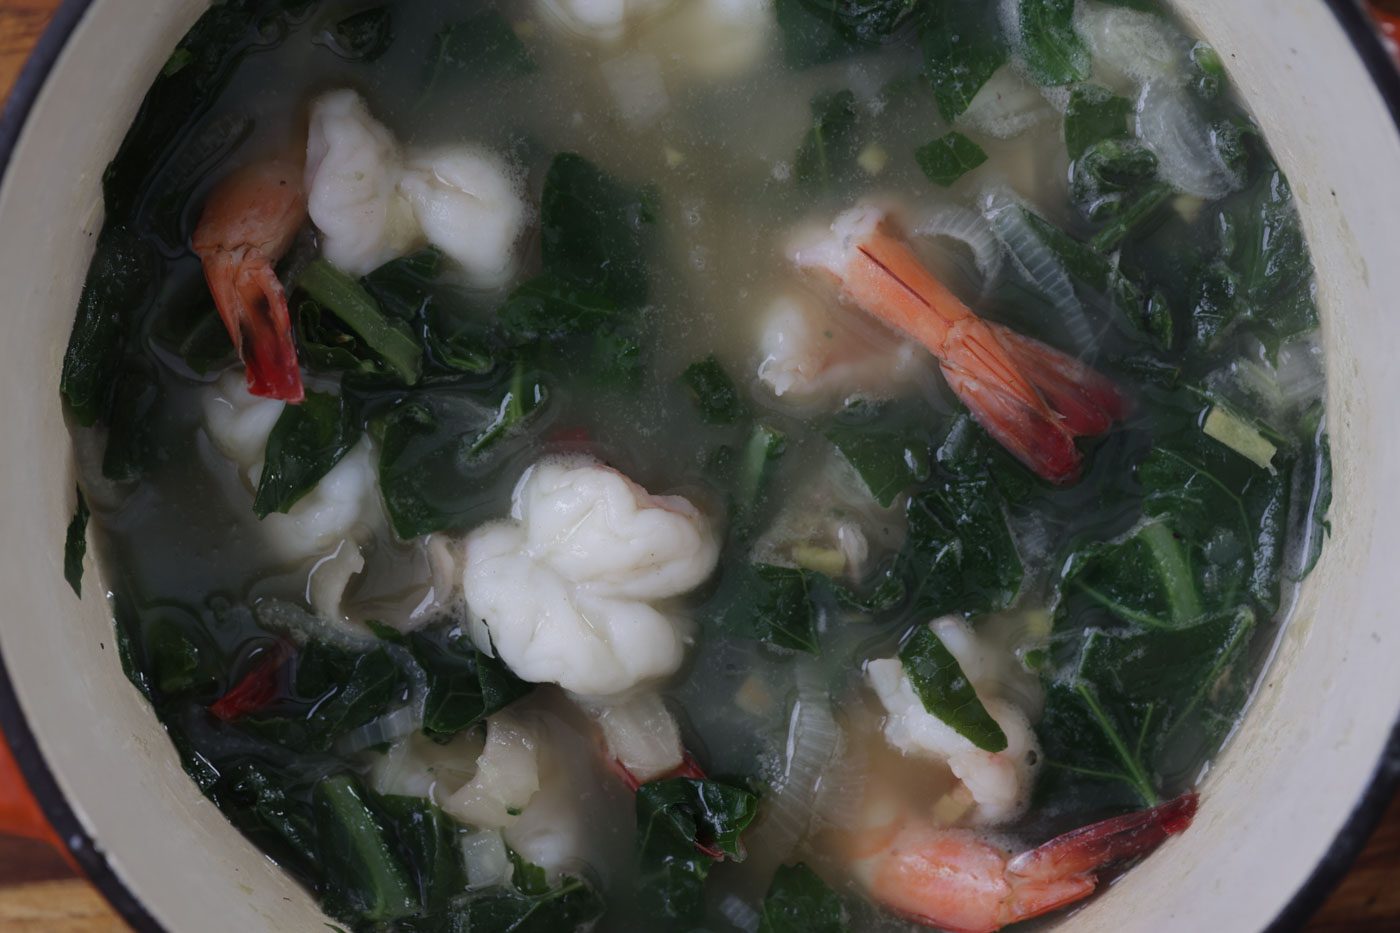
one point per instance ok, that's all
(1085, 178)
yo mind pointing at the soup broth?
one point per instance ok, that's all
(594, 268)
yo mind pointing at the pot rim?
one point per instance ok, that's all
(87, 851)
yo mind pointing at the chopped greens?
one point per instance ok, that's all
(829, 150)
(362, 36)
(1053, 51)
(464, 685)
(307, 441)
(714, 392)
(480, 47)
(800, 902)
(949, 158)
(75, 546)
(962, 48)
(946, 692)
(685, 826)
(348, 300)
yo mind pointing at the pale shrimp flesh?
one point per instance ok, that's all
(248, 224)
(957, 880)
(1033, 399)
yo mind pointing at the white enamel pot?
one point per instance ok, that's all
(1284, 810)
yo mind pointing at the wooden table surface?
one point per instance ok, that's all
(38, 892)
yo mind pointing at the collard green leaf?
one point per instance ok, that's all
(307, 441)
(442, 447)
(131, 437)
(962, 47)
(427, 840)
(1051, 48)
(1094, 114)
(482, 47)
(1109, 177)
(959, 555)
(362, 36)
(177, 661)
(714, 393)
(800, 902)
(1129, 698)
(549, 308)
(348, 300)
(675, 817)
(819, 31)
(364, 877)
(336, 690)
(949, 158)
(828, 151)
(75, 546)
(775, 606)
(118, 283)
(456, 334)
(890, 460)
(595, 231)
(945, 691)
(261, 807)
(573, 904)
(464, 684)
(1146, 578)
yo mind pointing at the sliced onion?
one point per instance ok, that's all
(486, 859)
(387, 728)
(842, 788)
(737, 911)
(1005, 107)
(812, 740)
(972, 230)
(291, 620)
(1169, 123)
(1138, 45)
(1036, 261)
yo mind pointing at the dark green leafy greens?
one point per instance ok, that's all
(949, 158)
(962, 48)
(464, 684)
(684, 826)
(800, 902)
(714, 392)
(819, 31)
(595, 231)
(945, 691)
(480, 47)
(75, 546)
(342, 296)
(1053, 51)
(889, 459)
(307, 441)
(828, 152)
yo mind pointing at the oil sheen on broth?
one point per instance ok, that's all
(873, 634)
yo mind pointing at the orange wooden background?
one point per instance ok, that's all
(39, 893)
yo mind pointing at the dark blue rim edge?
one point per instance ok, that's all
(1350, 840)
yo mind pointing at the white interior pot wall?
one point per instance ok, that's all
(1270, 809)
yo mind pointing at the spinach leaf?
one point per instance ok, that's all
(177, 663)
(75, 546)
(962, 48)
(685, 825)
(457, 338)
(261, 807)
(799, 902)
(441, 448)
(131, 447)
(945, 691)
(335, 691)
(307, 441)
(481, 47)
(1132, 216)
(572, 905)
(427, 841)
(363, 875)
(362, 36)
(949, 158)
(888, 459)
(1146, 578)
(1128, 698)
(828, 151)
(348, 300)
(549, 308)
(595, 231)
(1106, 179)
(775, 606)
(464, 685)
(819, 31)
(1052, 49)
(959, 555)
(118, 284)
(714, 392)
(327, 345)
(1094, 114)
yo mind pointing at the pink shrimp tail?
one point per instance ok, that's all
(247, 225)
(1089, 848)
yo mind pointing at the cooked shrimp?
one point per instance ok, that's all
(1032, 398)
(248, 224)
(956, 880)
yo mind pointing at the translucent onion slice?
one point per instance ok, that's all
(1170, 124)
(973, 231)
(486, 859)
(386, 729)
(1034, 259)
